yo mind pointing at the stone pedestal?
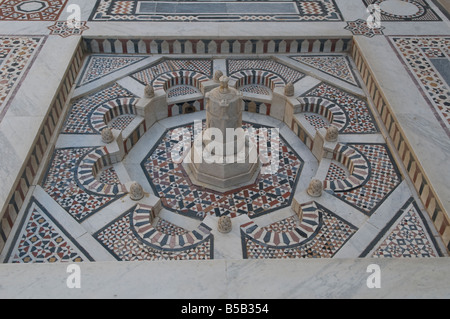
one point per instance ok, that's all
(222, 157)
(325, 142)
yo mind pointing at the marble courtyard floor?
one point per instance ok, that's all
(64, 196)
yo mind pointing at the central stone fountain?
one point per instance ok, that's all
(223, 157)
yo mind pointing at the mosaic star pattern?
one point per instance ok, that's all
(427, 60)
(134, 10)
(171, 183)
(406, 236)
(36, 10)
(44, 241)
(16, 55)
(65, 29)
(360, 27)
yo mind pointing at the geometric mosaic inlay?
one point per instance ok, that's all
(44, 241)
(198, 11)
(120, 239)
(357, 112)
(98, 66)
(331, 234)
(428, 61)
(171, 183)
(16, 54)
(63, 185)
(384, 178)
(34, 10)
(406, 236)
(404, 10)
(337, 66)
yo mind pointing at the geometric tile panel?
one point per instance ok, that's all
(217, 11)
(120, 239)
(104, 114)
(336, 172)
(147, 76)
(89, 167)
(427, 60)
(256, 89)
(356, 111)
(182, 90)
(331, 234)
(168, 80)
(360, 27)
(16, 56)
(62, 184)
(121, 122)
(108, 176)
(43, 240)
(337, 66)
(324, 108)
(64, 30)
(407, 235)
(98, 66)
(257, 77)
(288, 75)
(161, 240)
(79, 119)
(406, 10)
(317, 121)
(286, 233)
(171, 183)
(357, 165)
(384, 177)
(36, 10)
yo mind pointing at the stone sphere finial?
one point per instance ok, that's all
(149, 91)
(225, 226)
(136, 191)
(289, 90)
(107, 135)
(332, 134)
(315, 188)
(224, 84)
(218, 75)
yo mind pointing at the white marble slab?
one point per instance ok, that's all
(240, 279)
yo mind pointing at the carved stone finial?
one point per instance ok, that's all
(107, 135)
(218, 75)
(315, 188)
(224, 84)
(136, 191)
(225, 226)
(332, 134)
(149, 91)
(289, 90)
